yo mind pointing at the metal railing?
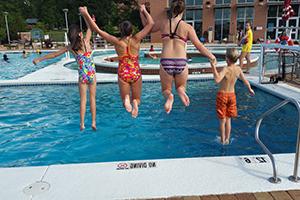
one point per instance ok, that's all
(270, 48)
(275, 179)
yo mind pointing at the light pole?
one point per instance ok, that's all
(7, 30)
(66, 18)
(80, 21)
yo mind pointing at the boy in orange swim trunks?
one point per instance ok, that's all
(226, 99)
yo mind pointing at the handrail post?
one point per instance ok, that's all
(274, 178)
(295, 177)
(261, 67)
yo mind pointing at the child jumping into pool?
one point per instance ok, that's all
(127, 48)
(81, 49)
(226, 99)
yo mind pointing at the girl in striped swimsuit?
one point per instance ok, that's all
(175, 34)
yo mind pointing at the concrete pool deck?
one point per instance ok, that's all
(147, 178)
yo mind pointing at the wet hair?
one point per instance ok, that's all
(74, 38)
(232, 55)
(176, 8)
(125, 28)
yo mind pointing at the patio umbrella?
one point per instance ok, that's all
(287, 10)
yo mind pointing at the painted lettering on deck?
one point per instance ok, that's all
(136, 165)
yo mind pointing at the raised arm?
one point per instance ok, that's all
(201, 48)
(51, 55)
(218, 76)
(156, 25)
(88, 35)
(142, 16)
(110, 38)
(246, 82)
(149, 24)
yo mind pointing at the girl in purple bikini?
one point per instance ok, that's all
(175, 34)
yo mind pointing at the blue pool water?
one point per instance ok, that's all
(40, 126)
(18, 66)
(142, 59)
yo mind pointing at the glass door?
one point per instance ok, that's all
(292, 23)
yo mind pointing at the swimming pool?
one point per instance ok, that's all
(40, 126)
(143, 60)
(19, 67)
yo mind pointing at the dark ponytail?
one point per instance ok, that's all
(125, 29)
(74, 38)
(176, 8)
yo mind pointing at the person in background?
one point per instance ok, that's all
(151, 48)
(246, 43)
(24, 54)
(284, 39)
(5, 58)
(239, 35)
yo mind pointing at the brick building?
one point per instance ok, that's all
(224, 17)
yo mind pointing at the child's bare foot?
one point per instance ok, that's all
(94, 127)
(184, 97)
(226, 142)
(135, 110)
(82, 127)
(169, 103)
(127, 104)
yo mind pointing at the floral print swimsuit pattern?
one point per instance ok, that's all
(86, 68)
(129, 69)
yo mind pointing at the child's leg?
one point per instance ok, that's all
(125, 94)
(136, 97)
(242, 56)
(82, 92)
(248, 61)
(222, 130)
(92, 88)
(227, 130)
(180, 83)
(166, 85)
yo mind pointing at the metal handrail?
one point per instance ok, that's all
(275, 179)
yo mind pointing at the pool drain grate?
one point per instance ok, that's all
(36, 188)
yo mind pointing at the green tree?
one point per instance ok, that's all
(109, 13)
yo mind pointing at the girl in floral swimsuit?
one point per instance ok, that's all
(80, 47)
(127, 48)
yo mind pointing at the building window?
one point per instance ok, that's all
(244, 15)
(222, 23)
(194, 18)
(245, 1)
(275, 22)
(190, 2)
(223, 2)
(193, 2)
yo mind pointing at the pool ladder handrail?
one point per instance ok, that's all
(275, 179)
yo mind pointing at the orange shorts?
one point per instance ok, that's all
(226, 105)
